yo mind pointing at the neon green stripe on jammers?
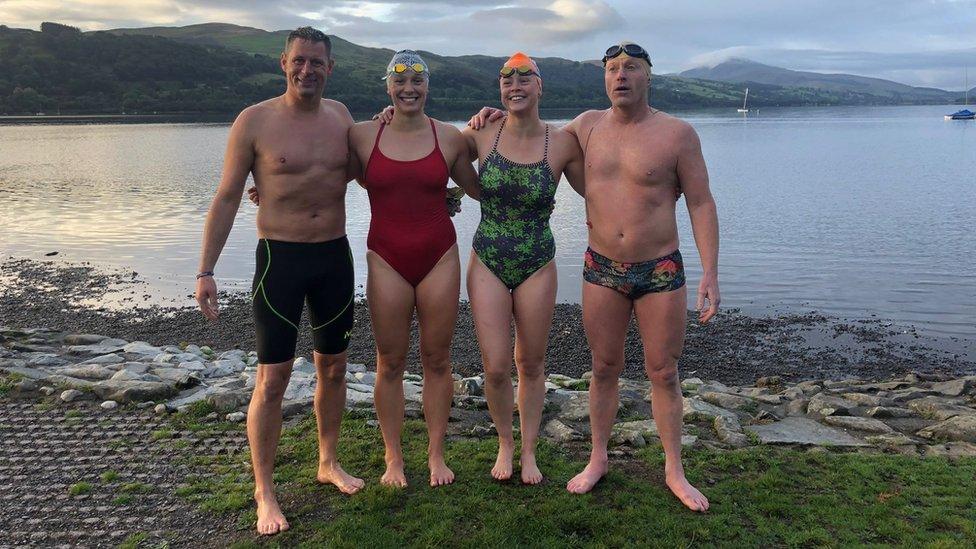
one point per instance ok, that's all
(265, 295)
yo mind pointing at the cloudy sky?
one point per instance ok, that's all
(920, 42)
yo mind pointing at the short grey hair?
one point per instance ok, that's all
(309, 34)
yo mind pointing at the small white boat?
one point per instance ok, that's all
(745, 101)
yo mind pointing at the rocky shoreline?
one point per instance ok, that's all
(916, 414)
(733, 349)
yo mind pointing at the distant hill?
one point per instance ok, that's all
(746, 72)
(221, 68)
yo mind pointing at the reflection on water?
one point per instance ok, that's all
(854, 212)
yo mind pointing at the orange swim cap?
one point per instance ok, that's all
(520, 59)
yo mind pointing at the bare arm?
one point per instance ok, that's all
(463, 172)
(575, 168)
(354, 168)
(238, 161)
(693, 180)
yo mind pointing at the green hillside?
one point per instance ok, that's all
(221, 68)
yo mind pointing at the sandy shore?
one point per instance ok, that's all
(734, 348)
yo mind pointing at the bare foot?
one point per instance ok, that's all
(439, 473)
(503, 463)
(270, 519)
(394, 475)
(530, 472)
(587, 479)
(688, 494)
(332, 473)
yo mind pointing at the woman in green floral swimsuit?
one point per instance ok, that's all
(511, 273)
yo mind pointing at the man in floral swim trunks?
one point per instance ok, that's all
(636, 157)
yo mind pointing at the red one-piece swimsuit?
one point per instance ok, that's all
(409, 226)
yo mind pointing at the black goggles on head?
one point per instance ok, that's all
(633, 50)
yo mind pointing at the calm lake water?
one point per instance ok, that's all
(853, 212)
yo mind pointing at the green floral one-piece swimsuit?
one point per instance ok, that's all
(514, 239)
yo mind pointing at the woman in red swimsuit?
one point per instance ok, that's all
(412, 257)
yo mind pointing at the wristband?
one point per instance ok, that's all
(203, 274)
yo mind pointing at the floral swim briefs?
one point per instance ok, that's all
(634, 280)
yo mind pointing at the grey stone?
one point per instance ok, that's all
(769, 381)
(859, 423)
(163, 358)
(236, 417)
(49, 360)
(355, 368)
(633, 433)
(862, 399)
(141, 348)
(236, 355)
(774, 400)
(727, 401)
(83, 339)
(576, 407)
(133, 391)
(26, 386)
(193, 366)
(300, 387)
(953, 388)
(291, 408)
(470, 386)
(161, 409)
(890, 439)
(803, 431)
(951, 450)
(356, 399)
(230, 399)
(232, 383)
(301, 364)
(694, 408)
(31, 373)
(181, 378)
(730, 432)
(412, 391)
(560, 432)
(360, 387)
(957, 428)
(909, 394)
(809, 387)
(482, 431)
(68, 381)
(827, 405)
(888, 412)
(939, 408)
(688, 441)
(105, 359)
(71, 395)
(95, 372)
(692, 384)
(47, 391)
(369, 378)
(413, 377)
(109, 405)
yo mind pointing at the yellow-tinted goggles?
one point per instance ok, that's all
(522, 70)
(401, 68)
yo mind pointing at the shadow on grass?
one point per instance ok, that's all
(759, 496)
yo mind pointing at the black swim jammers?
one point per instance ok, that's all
(290, 273)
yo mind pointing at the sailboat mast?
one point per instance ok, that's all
(745, 99)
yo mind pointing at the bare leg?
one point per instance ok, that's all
(330, 400)
(391, 302)
(491, 306)
(535, 300)
(606, 314)
(263, 432)
(661, 318)
(437, 309)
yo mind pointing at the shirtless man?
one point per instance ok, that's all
(636, 158)
(295, 145)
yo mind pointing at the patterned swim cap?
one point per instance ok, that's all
(406, 59)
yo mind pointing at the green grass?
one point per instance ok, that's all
(122, 500)
(133, 541)
(135, 488)
(109, 476)
(161, 434)
(760, 496)
(79, 488)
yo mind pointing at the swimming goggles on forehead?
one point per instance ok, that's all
(522, 70)
(401, 68)
(632, 50)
